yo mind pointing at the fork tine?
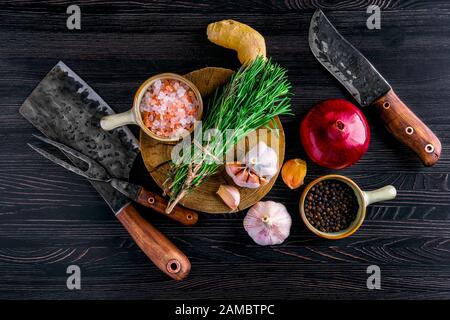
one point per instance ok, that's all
(60, 162)
(66, 149)
(93, 166)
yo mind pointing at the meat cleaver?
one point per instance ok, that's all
(66, 109)
(369, 87)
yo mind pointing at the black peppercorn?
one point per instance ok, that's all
(331, 206)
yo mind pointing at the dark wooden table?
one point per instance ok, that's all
(50, 219)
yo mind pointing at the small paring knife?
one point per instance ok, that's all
(369, 87)
(134, 192)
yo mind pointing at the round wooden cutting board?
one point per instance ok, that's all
(156, 155)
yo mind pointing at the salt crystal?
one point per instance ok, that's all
(181, 92)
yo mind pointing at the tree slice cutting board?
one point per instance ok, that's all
(156, 155)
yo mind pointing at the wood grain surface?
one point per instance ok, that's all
(50, 219)
(156, 155)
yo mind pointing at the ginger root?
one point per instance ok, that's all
(232, 34)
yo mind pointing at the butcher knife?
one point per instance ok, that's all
(368, 87)
(66, 109)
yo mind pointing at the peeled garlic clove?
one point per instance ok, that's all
(253, 181)
(268, 223)
(242, 176)
(230, 196)
(293, 173)
(234, 168)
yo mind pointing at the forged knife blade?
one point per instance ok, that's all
(66, 109)
(368, 87)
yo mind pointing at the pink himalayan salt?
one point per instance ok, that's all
(169, 108)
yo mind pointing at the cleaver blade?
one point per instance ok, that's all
(66, 109)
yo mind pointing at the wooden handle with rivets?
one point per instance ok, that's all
(404, 125)
(164, 254)
(159, 204)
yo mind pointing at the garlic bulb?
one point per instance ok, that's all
(230, 196)
(258, 167)
(268, 223)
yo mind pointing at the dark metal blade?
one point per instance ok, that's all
(128, 189)
(344, 61)
(66, 109)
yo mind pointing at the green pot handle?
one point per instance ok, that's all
(117, 120)
(386, 193)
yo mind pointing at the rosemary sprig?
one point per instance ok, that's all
(256, 93)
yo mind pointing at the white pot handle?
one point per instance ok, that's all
(386, 193)
(117, 120)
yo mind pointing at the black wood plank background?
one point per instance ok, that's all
(50, 219)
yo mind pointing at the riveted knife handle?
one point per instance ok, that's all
(159, 204)
(408, 128)
(164, 254)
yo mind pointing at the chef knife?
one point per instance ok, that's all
(369, 87)
(66, 109)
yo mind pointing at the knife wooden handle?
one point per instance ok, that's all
(164, 254)
(408, 128)
(159, 204)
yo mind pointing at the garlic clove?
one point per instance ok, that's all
(234, 168)
(253, 180)
(242, 175)
(230, 196)
(293, 173)
(263, 180)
